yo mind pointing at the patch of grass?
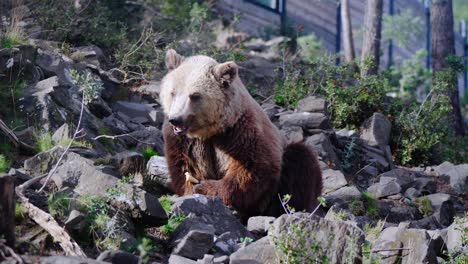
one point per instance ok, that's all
(59, 204)
(166, 203)
(173, 222)
(44, 142)
(5, 164)
(424, 206)
(149, 152)
(20, 212)
(372, 232)
(144, 248)
(366, 205)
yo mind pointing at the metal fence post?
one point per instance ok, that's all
(463, 32)
(338, 32)
(427, 5)
(390, 42)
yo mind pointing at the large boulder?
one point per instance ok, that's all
(333, 180)
(459, 178)
(305, 120)
(375, 131)
(261, 251)
(311, 104)
(314, 238)
(157, 172)
(385, 187)
(442, 207)
(418, 245)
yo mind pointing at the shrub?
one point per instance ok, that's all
(99, 23)
(149, 152)
(292, 86)
(91, 87)
(173, 222)
(310, 47)
(424, 206)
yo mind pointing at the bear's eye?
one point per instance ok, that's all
(195, 97)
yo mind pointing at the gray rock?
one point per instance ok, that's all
(324, 148)
(444, 167)
(128, 162)
(175, 259)
(227, 38)
(88, 54)
(412, 193)
(347, 193)
(311, 104)
(339, 242)
(421, 244)
(68, 260)
(385, 187)
(195, 244)
(459, 178)
(115, 125)
(43, 162)
(221, 260)
(345, 133)
(207, 259)
(403, 177)
(425, 185)
(391, 256)
(333, 180)
(261, 251)
(454, 234)
(61, 134)
(118, 257)
(375, 131)
(442, 207)
(147, 137)
(76, 221)
(157, 172)
(259, 224)
(206, 210)
(137, 110)
(397, 212)
(305, 120)
(293, 133)
(56, 64)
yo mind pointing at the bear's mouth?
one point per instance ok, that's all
(179, 130)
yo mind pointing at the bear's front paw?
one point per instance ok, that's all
(207, 188)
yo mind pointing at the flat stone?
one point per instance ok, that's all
(311, 104)
(195, 244)
(333, 180)
(385, 187)
(305, 120)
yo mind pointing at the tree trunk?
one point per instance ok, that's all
(348, 43)
(443, 45)
(372, 36)
(7, 208)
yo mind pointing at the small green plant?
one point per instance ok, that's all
(173, 222)
(372, 232)
(223, 55)
(90, 86)
(292, 86)
(166, 203)
(20, 212)
(247, 240)
(144, 248)
(296, 246)
(149, 152)
(368, 256)
(366, 205)
(424, 206)
(459, 254)
(4, 164)
(348, 156)
(44, 142)
(59, 204)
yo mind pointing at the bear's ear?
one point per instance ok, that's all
(226, 73)
(173, 60)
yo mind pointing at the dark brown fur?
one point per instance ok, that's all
(253, 173)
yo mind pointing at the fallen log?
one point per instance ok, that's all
(47, 222)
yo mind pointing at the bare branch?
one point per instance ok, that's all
(122, 135)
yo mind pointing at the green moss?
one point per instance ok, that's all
(424, 206)
(166, 203)
(20, 212)
(173, 222)
(149, 152)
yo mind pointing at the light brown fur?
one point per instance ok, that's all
(227, 142)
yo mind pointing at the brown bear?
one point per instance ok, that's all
(219, 142)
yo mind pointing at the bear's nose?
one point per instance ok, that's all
(177, 121)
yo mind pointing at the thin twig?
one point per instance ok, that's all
(77, 131)
(122, 135)
(283, 204)
(385, 249)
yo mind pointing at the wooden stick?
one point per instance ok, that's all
(7, 208)
(47, 222)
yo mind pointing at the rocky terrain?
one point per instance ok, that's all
(104, 181)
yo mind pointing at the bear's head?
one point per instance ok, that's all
(200, 96)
